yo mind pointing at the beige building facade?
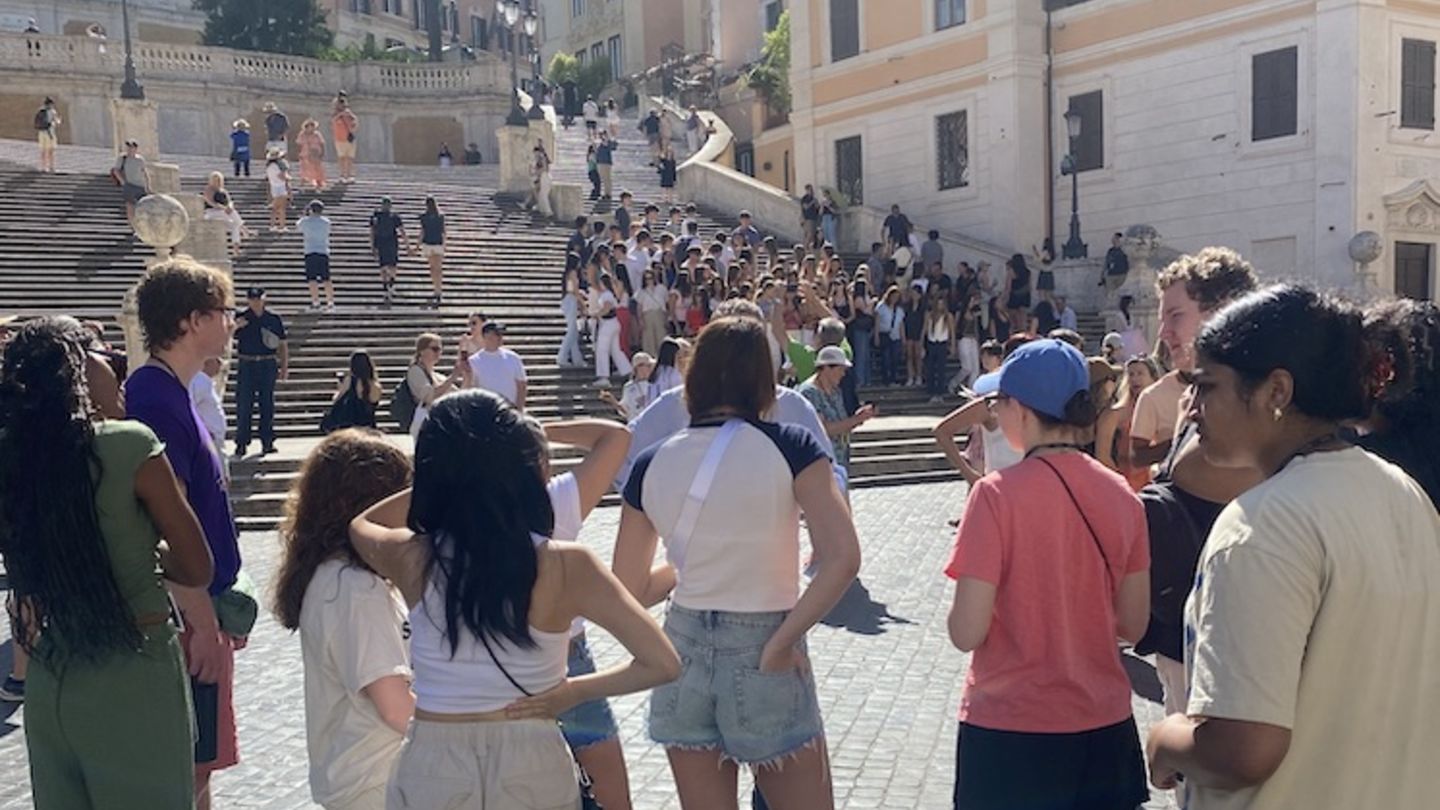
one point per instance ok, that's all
(633, 34)
(1283, 128)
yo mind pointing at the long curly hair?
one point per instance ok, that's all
(347, 473)
(50, 532)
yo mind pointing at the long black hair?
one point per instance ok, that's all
(480, 498)
(50, 533)
(1320, 341)
(669, 350)
(362, 373)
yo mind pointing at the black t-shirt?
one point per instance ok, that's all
(249, 338)
(1045, 317)
(943, 282)
(809, 208)
(898, 226)
(386, 226)
(432, 229)
(651, 125)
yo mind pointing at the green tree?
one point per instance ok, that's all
(770, 77)
(590, 79)
(295, 27)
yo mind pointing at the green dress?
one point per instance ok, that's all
(117, 733)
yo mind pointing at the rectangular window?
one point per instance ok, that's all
(478, 39)
(597, 51)
(949, 13)
(577, 8)
(850, 169)
(1417, 84)
(613, 48)
(1089, 149)
(1412, 270)
(1275, 94)
(745, 158)
(844, 29)
(773, 10)
(582, 55)
(952, 150)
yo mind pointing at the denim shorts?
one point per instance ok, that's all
(591, 722)
(722, 700)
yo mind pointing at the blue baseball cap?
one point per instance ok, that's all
(1043, 375)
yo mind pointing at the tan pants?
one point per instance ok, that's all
(484, 766)
(652, 331)
(605, 178)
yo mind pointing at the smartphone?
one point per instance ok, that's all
(207, 720)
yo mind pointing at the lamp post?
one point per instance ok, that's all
(508, 14)
(532, 26)
(1073, 248)
(130, 88)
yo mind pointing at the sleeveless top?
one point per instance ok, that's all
(469, 681)
(998, 452)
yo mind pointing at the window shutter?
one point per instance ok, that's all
(1274, 97)
(1090, 146)
(1417, 84)
(844, 29)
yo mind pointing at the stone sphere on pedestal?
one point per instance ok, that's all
(161, 222)
(1366, 247)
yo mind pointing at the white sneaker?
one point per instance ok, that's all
(329, 307)
(600, 382)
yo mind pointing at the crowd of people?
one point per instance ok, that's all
(442, 605)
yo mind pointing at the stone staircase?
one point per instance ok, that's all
(69, 249)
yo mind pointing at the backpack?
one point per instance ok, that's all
(1176, 541)
(402, 403)
(42, 119)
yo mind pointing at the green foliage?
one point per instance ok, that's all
(770, 77)
(368, 52)
(294, 27)
(590, 78)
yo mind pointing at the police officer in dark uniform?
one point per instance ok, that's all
(264, 357)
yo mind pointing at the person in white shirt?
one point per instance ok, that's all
(591, 111)
(1310, 645)
(605, 306)
(207, 404)
(498, 369)
(639, 390)
(353, 644)
(639, 257)
(1066, 313)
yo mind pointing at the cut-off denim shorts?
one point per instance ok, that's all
(592, 721)
(722, 701)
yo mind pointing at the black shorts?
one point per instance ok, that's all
(317, 267)
(1045, 281)
(1101, 769)
(1018, 300)
(388, 253)
(592, 124)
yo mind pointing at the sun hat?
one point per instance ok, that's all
(1113, 340)
(1043, 375)
(642, 359)
(831, 356)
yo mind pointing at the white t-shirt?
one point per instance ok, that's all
(499, 371)
(207, 404)
(352, 634)
(591, 111)
(1315, 609)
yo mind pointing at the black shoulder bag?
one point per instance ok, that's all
(1109, 576)
(587, 796)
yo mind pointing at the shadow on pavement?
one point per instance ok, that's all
(858, 613)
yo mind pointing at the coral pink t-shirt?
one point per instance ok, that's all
(1050, 662)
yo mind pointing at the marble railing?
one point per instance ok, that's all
(82, 55)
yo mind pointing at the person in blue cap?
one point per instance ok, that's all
(1051, 565)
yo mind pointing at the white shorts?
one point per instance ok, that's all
(46, 138)
(432, 250)
(344, 149)
(276, 192)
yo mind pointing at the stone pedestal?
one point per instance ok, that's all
(137, 120)
(543, 131)
(161, 222)
(164, 177)
(567, 200)
(207, 240)
(515, 144)
(1143, 246)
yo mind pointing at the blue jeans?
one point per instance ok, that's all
(570, 354)
(829, 226)
(591, 722)
(860, 345)
(256, 386)
(892, 363)
(722, 701)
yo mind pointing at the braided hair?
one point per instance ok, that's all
(50, 533)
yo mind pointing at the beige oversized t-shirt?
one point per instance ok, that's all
(1316, 608)
(351, 635)
(1157, 410)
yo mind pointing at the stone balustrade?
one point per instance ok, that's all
(82, 56)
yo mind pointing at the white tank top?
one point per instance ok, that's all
(998, 452)
(469, 681)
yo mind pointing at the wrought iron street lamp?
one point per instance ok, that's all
(130, 88)
(532, 27)
(507, 13)
(1074, 247)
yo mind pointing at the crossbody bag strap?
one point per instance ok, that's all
(1104, 558)
(501, 667)
(679, 537)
